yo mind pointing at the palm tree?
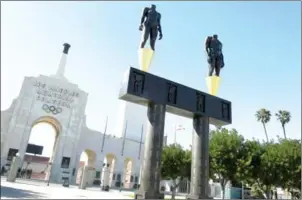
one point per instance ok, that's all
(264, 117)
(284, 117)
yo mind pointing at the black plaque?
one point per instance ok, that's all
(172, 93)
(118, 177)
(34, 149)
(200, 102)
(65, 162)
(131, 179)
(11, 153)
(138, 81)
(225, 110)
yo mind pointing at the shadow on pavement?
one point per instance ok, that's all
(9, 192)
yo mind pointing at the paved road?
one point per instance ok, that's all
(28, 189)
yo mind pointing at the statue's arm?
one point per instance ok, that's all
(159, 25)
(207, 44)
(144, 15)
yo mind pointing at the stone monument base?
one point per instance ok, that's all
(146, 195)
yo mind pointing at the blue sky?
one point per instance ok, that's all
(262, 49)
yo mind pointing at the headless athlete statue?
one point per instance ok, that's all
(150, 25)
(215, 57)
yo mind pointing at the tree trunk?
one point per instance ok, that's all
(268, 192)
(174, 186)
(173, 193)
(284, 133)
(265, 132)
(223, 191)
(276, 194)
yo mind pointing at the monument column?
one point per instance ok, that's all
(151, 163)
(200, 159)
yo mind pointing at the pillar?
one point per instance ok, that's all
(200, 159)
(105, 178)
(12, 175)
(84, 180)
(151, 162)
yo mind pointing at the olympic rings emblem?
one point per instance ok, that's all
(51, 109)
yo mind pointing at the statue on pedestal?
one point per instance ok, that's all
(216, 62)
(150, 25)
(214, 52)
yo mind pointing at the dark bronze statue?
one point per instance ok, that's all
(150, 25)
(215, 56)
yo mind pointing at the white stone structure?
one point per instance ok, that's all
(132, 118)
(55, 100)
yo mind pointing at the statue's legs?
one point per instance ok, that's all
(153, 36)
(215, 64)
(218, 64)
(146, 33)
(151, 164)
(199, 188)
(211, 62)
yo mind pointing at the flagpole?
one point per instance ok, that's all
(124, 138)
(140, 143)
(175, 134)
(103, 141)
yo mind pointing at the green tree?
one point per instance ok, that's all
(290, 165)
(267, 169)
(269, 165)
(225, 148)
(176, 165)
(283, 117)
(273, 165)
(248, 154)
(264, 117)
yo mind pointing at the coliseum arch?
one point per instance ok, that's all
(44, 173)
(128, 176)
(111, 159)
(88, 159)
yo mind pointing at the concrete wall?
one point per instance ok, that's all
(92, 140)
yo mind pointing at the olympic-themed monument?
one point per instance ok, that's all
(112, 159)
(160, 96)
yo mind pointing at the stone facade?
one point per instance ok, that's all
(62, 104)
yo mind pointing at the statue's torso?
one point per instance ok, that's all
(215, 47)
(152, 18)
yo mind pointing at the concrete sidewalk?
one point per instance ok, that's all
(28, 189)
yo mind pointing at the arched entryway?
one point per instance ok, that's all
(41, 149)
(110, 160)
(128, 177)
(88, 159)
